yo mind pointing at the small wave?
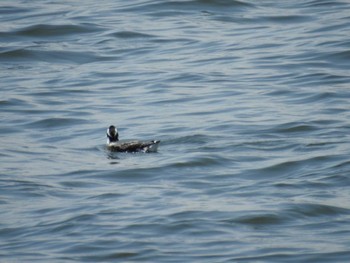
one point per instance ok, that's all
(295, 127)
(342, 57)
(184, 6)
(13, 103)
(59, 56)
(191, 139)
(45, 30)
(226, 3)
(26, 188)
(287, 19)
(317, 79)
(130, 34)
(6, 10)
(261, 220)
(106, 196)
(324, 3)
(297, 168)
(15, 54)
(316, 210)
(203, 161)
(54, 123)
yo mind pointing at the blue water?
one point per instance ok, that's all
(250, 100)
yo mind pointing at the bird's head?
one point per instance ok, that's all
(112, 134)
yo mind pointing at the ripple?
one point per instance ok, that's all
(28, 54)
(288, 19)
(296, 128)
(324, 3)
(176, 6)
(46, 30)
(318, 210)
(12, 10)
(261, 220)
(55, 123)
(130, 34)
(209, 161)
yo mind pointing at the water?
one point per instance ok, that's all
(249, 98)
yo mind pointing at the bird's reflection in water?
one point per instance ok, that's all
(113, 157)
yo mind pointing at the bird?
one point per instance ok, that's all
(113, 143)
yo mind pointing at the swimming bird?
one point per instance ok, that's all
(115, 145)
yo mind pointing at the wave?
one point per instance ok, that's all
(55, 123)
(317, 210)
(48, 30)
(176, 7)
(323, 3)
(30, 54)
(130, 34)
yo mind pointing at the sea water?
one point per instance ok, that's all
(250, 100)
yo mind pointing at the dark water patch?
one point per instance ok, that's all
(5, 131)
(209, 161)
(77, 184)
(114, 256)
(77, 219)
(186, 77)
(199, 139)
(45, 30)
(25, 189)
(180, 7)
(307, 127)
(175, 40)
(324, 3)
(340, 256)
(34, 54)
(293, 256)
(295, 169)
(318, 210)
(57, 224)
(78, 174)
(262, 220)
(295, 127)
(317, 79)
(16, 54)
(334, 45)
(14, 103)
(107, 196)
(225, 3)
(55, 123)
(173, 100)
(268, 145)
(341, 57)
(345, 165)
(12, 232)
(256, 23)
(323, 144)
(338, 28)
(127, 174)
(26, 150)
(140, 252)
(190, 216)
(7, 10)
(130, 35)
(287, 19)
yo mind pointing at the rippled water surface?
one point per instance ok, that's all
(249, 98)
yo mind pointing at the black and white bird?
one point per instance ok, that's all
(115, 145)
